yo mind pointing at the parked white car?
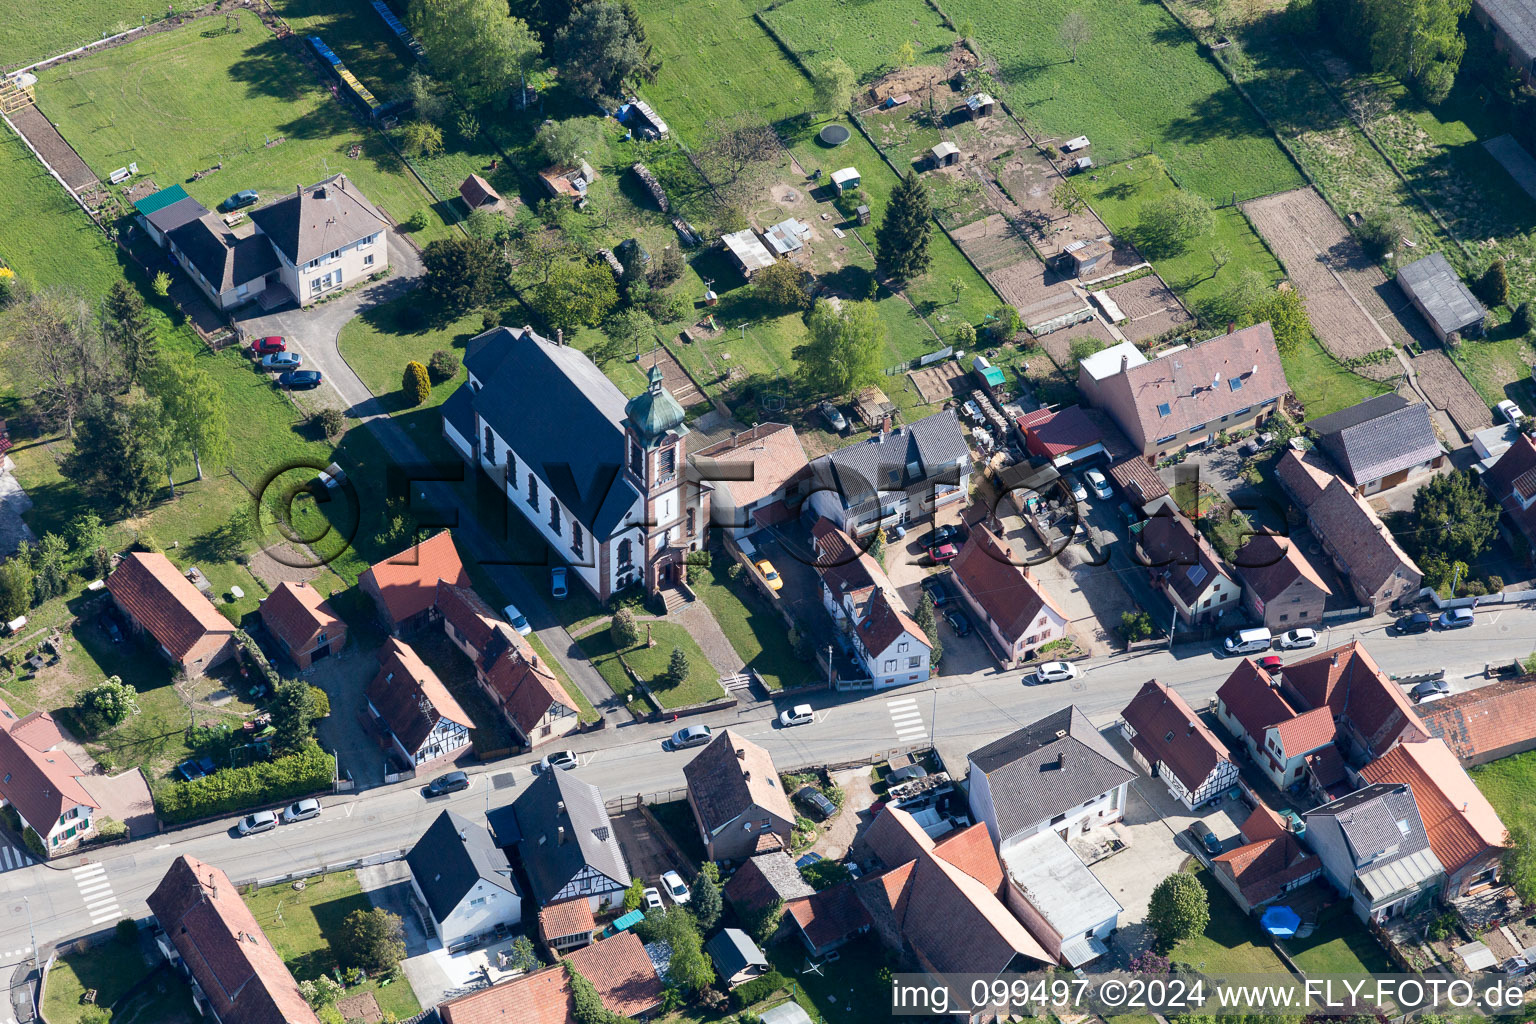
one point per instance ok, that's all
(1296, 639)
(301, 811)
(800, 714)
(673, 883)
(653, 899)
(1507, 409)
(1056, 672)
(1100, 485)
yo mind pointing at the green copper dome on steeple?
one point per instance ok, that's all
(654, 411)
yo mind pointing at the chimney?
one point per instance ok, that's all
(747, 775)
(560, 834)
(1125, 362)
(559, 806)
(1061, 760)
(1231, 326)
(1334, 661)
(741, 754)
(298, 190)
(560, 336)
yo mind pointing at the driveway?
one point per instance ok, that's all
(647, 855)
(344, 676)
(313, 334)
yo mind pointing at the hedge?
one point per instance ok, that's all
(759, 988)
(235, 789)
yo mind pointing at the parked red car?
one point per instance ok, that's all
(1271, 663)
(267, 346)
(942, 553)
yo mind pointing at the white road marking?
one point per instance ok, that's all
(96, 893)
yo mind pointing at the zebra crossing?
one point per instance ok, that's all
(12, 857)
(906, 719)
(96, 891)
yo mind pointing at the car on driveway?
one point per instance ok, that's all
(107, 620)
(1415, 622)
(1201, 833)
(947, 534)
(245, 197)
(282, 361)
(833, 416)
(958, 622)
(450, 782)
(261, 821)
(300, 380)
(1509, 411)
(800, 714)
(690, 736)
(906, 774)
(301, 811)
(942, 553)
(517, 619)
(770, 575)
(564, 760)
(673, 883)
(1056, 672)
(1429, 690)
(1455, 618)
(1297, 639)
(1079, 492)
(1100, 485)
(935, 587)
(653, 898)
(266, 346)
(817, 801)
(557, 585)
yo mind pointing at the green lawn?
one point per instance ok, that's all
(383, 339)
(1498, 369)
(1510, 785)
(355, 33)
(1124, 190)
(43, 235)
(716, 60)
(1322, 384)
(702, 684)
(867, 36)
(1232, 943)
(112, 968)
(34, 29)
(302, 925)
(754, 629)
(186, 100)
(1340, 945)
(1140, 85)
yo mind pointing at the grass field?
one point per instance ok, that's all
(43, 235)
(651, 663)
(112, 968)
(754, 629)
(1322, 384)
(716, 62)
(186, 100)
(34, 29)
(1510, 785)
(866, 35)
(302, 925)
(1140, 85)
(355, 33)
(1340, 945)
(1231, 943)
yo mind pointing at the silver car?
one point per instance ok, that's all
(261, 821)
(301, 811)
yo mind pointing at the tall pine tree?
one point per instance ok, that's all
(901, 241)
(125, 324)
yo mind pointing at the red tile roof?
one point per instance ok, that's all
(1479, 725)
(1461, 823)
(1263, 823)
(832, 915)
(568, 917)
(407, 582)
(883, 622)
(1138, 478)
(467, 612)
(1169, 732)
(296, 613)
(1263, 869)
(225, 949)
(1349, 683)
(524, 686)
(165, 603)
(1270, 565)
(1306, 732)
(970, 850)
(1509, 478)
(41, 780)
(1010, 594)
(1255, 703)
(1059, 432)
(409, 696)
(617, 967)
(769, 452)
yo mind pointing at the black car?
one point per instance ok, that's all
(108, 623)
(946, 535)
(935, 587)
(299, 380)
(243, 198)
(1201, 833)
(958, 622)
(817, 801)
(907, 774)
(1417, 622)
(452, 782)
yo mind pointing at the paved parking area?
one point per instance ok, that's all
(644, 851)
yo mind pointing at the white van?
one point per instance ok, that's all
(1248, 641)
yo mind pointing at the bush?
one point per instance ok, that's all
(105, 705)
(759, 988)
(1380, 233)
(1003, 325)
(442, 366)
(965, 335)
(331, 421)
(372, 939)
(623, 629)
(697, 566)
(1135, 626)
(11, 818)
(416, 384)
(1493, 286)
(235, 789)
(128, 931)
(1525, 319)
(109, 829)
(34, 843)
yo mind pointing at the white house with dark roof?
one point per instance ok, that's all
(1376, 851)
(601, 479)
(895, 477)
(1056, 774)
(463, 881)
(1381, 442)
(863, 604)
(1168, 740)
(567, 843)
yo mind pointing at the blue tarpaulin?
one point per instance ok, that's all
(1281, 921)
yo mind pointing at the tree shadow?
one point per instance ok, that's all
(269, 69)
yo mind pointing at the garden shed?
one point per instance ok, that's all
(1437, 292)
(845, 179)
(749, 254)
(945, 154)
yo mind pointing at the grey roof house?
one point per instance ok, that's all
(736, 956)
(1057, 773)
(1514, 32)
(567, 842)
(463, 881)
(1375, 849)
(895, 476)
(1438, 294)
(1380, 442)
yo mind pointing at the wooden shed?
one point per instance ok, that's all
(945, 154)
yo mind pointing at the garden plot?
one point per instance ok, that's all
(1058, 344)
(868, 36)
(1150, 307)
(1354, 309)
(1448, 389)
(1038, 292)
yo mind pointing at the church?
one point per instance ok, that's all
(602, 479)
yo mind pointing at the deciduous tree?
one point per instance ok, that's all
(1074, 32)
(372, 939)
(575, 293)
(15, 586)
(194, 407)
(482, 49)
(1419, 41)
(901, 241)
(56, 327)
(843, 354)
(1287, 317)
(422, 138)
(623, 630)
(832, 86)
(1169, 223)
(295, 708)
(1179, 909)
(781, 285)
(107, 704)
(565, 143)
